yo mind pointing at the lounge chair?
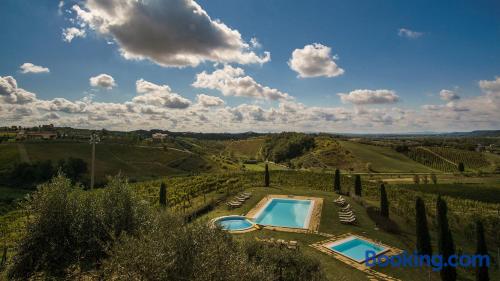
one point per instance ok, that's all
(293, 245)
(344, 213)
(233, 204)
(339, 199)
(348, 220)
(346, 208)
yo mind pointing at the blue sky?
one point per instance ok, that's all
(449, 45)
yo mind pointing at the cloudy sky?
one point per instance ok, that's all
(251, 65)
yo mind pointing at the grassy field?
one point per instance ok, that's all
(8, 155)
(383, 159)
(479, 192)
(248, 149)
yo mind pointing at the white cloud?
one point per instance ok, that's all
(174, 33)
(360, 97)
(11, 94)
(105, 81)
(209, 101)
(71, 33)
(158, 95)
(231, 81)
(313, 61)
(448, 95)
(28, 67)
(490, 87)
(411, 34)
(60, 7)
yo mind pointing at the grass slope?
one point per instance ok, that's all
(383, 159)
(248, 149)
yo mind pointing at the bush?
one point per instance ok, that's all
(171, 250)
(69, 226)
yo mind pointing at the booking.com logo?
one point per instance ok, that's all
(437, 262)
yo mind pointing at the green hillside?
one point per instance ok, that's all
(136, 162)
(383, 159)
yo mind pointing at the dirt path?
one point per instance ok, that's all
(23, 154)
(428, 150)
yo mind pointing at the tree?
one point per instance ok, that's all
(423, 237)
(384, 203)
(163, 194)
(416, 179)
(434, 178)
(461, 167)
(446, 247)
(336, 181)
(357, 185)
(482, 270)
(73, 168)
(266, 176)
(425, 179)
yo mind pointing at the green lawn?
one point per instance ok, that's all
(383, 159)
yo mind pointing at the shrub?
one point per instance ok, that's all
(69, 226)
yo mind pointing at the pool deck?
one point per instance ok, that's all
(371, 274)
(313, 220)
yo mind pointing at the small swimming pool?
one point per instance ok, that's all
(355, 248)
(234, 223)
(284, 212)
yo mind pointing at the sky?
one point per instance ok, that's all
(262, 65)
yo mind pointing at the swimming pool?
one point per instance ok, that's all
(355, 248)
(234, 223)
(284, 212)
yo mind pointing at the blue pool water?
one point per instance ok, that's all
(356, 248)
(285, 213)
(234, 223)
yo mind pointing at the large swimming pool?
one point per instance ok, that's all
(355, 248)
(284, 212)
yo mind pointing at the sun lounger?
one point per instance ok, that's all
(339, 199)
(343, 213)
(293, 245)
(348, 220)
(346, 208)
(233, 204)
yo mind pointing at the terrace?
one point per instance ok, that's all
(315, 227)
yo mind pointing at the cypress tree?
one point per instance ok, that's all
(163, 194)
(446, 247)
(357, 185)
(384, 203)
(266, 176)
(336, 181)
(423, 237)
(481, 271)
(461, 167)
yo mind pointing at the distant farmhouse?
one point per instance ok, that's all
(34, 135)
(159, 137)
